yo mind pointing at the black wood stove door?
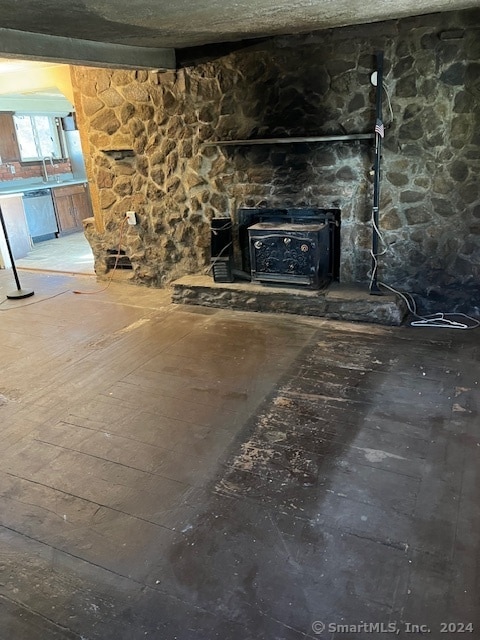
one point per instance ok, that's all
(290, 253)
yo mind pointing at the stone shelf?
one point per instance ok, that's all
(336, 302)
(333, 138)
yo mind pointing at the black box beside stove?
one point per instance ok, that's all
(221, 249)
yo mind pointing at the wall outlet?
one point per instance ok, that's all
(131, 217)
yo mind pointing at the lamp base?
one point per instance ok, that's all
(20, 293)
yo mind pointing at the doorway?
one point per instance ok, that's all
(49, 180)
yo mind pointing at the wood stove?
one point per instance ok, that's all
(294, 246)
(290, 253)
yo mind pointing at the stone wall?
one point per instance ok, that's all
(299, 85)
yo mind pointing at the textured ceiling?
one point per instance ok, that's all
(189, 23)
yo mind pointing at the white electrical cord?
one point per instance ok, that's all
(375, 256)
(440, 320)
(389, 102)
(216, 258)
(435, 319)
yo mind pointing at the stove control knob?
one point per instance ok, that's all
(258, 244)
(287, 240)
(304, 248)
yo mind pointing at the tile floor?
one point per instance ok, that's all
(176, 472)
(68, 254)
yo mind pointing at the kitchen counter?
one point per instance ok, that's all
(23, 186)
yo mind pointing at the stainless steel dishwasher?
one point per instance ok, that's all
(40, 214)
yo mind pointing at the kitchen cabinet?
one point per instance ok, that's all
(16, 224)
(9, 150)
(72, 206)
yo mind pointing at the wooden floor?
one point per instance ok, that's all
(180, 472)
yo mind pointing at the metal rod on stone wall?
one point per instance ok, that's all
(379, 133)
(19, 293)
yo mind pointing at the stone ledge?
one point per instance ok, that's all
(337, 302)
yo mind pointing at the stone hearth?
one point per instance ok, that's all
(337, 302)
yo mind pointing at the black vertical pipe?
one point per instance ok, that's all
(19, 293)
(374, 288)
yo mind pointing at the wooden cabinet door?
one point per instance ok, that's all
(72, 205)
(65, 213)
(81, 203)
(8, 139)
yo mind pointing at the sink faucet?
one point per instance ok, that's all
(46, 177)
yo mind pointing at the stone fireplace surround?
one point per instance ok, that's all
(315, 84)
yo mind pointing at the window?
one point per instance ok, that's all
(38, 137)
